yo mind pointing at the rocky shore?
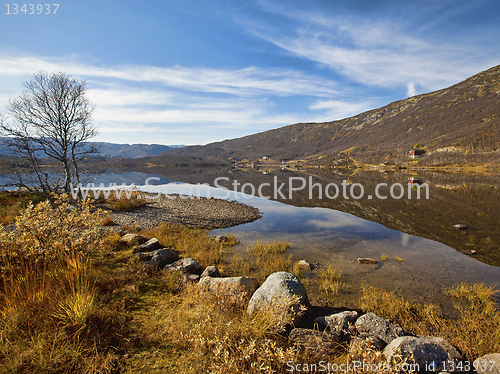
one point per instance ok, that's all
(190, 211)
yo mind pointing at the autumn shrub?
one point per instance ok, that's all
(46, 298)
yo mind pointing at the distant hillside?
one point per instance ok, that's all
(134, 150)
(124, 150)
(464, 116)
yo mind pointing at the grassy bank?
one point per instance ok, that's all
(75, 301)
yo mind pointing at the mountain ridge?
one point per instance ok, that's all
(465, 116)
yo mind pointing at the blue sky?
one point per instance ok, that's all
(195, 72)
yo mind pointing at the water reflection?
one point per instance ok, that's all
(330, 236)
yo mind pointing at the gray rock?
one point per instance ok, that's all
(488, 364)
(428, 352)
(372, 324)
(186, 265)
(459, 226)
(238, 288)
(370, 261)
(10, 228)
(211, 271)
(134, 239)
(304, 265)
(284, 293)
(150, 245)
(221, 239)
(162, 257)
(364, 342)
(339, 323)
(316, 342)
(191, 278)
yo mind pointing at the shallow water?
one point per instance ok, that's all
(327, 236)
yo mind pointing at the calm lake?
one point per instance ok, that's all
(336, 232)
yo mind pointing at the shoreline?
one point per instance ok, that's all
(200, 212)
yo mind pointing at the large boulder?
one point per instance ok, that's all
(428, 352)
(340, 323)
(235, 288)
(283, 293)
(488, 364)
(186, 265)
(371, 324)
(315, 342)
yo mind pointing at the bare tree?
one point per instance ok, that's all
(51, 118)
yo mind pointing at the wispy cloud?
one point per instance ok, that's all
(336, 109)
(247, 81)
(379, 53)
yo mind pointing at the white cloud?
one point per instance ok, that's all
(375, 53)
(247, 81)
(336, 109)
(411, 91)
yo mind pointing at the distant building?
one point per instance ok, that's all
(416, 153)
(415, 180)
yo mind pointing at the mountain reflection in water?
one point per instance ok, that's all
(332, 232)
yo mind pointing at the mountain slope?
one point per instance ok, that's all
(465, 115)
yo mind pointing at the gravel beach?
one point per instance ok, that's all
(194, 212)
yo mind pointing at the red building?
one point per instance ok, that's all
(416, 153)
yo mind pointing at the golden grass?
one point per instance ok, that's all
(99, 311)
(471, 332)
(330, 280)
(262, 260)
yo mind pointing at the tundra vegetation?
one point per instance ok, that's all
(75, 298)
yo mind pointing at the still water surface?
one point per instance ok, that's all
(328, 236)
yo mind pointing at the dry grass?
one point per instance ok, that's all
(329, 280)
(90, 307)
(194, 243)
(122, 200)
(262, 260)
(471, 332)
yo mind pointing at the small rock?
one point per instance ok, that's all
(240, 288)
(10, 228)
(316, 342)
(372, 324)
(473, 252)
(191, 278)
(362, 260)
(364, 342)
(428, 352)
(488, 364)
(186, 265)
(211, 271)
(338, 323)
(221, 239)
(304, 265)
(150, 245)
(134, 239)
(162, 257)
(459, 226)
